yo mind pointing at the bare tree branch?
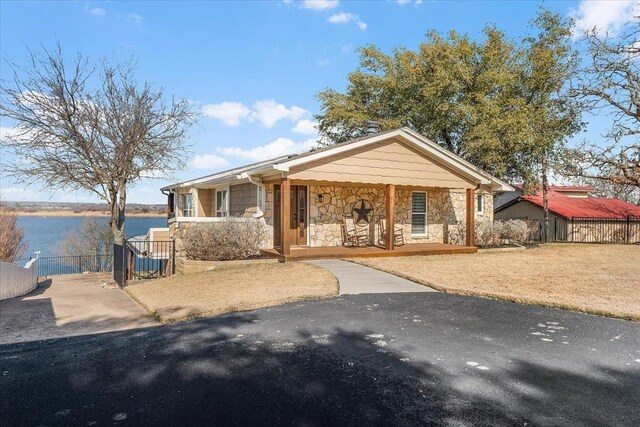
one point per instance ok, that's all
(91, 128)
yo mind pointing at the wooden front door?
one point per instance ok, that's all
(297, 227)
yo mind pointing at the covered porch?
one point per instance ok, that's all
(324, 252)
(305, 212)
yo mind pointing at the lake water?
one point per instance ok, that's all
(45, 233)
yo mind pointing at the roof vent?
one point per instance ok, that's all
(372, 127)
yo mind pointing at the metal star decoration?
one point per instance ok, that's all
(363, 211)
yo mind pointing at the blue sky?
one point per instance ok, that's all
(252, 68)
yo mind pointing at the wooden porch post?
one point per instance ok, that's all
(285, 214)
(390, 215)
(470, 214)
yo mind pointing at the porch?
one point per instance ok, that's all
(324, 252)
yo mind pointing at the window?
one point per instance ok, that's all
(222, 202)
(186, 203)
(260, 198)
(480, 203)
(419, 213)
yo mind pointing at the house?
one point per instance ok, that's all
(395, 180)
(578, 191)
(576, 218)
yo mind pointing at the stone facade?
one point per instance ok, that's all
(445, 211)
(329, 205)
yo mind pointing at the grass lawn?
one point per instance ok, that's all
(597, 279)
(241, 287)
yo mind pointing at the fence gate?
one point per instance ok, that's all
(119, 262)
(148, 259)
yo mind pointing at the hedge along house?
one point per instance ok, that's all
(395, 180)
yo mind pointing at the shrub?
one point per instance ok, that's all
(228, 239)
(457, 233)
(515, 231)
(12, 246)
(488, 233)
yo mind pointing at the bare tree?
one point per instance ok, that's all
(90, 239)
(91, 128)
(12, 246)
(610, 84)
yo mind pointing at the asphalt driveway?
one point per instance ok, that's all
(377, 359)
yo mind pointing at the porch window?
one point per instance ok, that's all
(260, 198)
(186, 204)
(222, 202)
(480, 203)
(419, 213)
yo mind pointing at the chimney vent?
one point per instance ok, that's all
(372, 127)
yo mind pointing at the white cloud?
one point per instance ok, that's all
(135, 18)
(306, 127)
(403, 2)
(603, 15)
(97, 11)
(320, 4)
(229, 113)
(345, 18)
(208, 161)
(269, 112)
(6, 132)
(279, 147)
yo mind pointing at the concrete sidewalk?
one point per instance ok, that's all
(65, 306)
(358, 279)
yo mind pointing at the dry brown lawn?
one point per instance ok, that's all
(241, 287)
(597, 279)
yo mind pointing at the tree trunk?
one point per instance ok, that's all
(116, 223)
(545, 197)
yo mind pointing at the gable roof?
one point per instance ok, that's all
(422, 144)
(570, 207)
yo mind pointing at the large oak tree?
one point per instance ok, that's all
(498, 103)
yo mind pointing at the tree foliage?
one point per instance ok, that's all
(91, 128)
(487, 101)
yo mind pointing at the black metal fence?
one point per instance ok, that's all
(586, 230)
(603, 230)
(148, 259)
(76, 264)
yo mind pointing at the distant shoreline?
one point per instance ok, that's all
(52, 213)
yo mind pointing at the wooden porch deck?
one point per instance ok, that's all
(323, 252)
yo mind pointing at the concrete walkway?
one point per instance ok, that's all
(67, 306)
(358, 279)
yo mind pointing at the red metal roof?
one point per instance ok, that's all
(591, 207)
(585, 188)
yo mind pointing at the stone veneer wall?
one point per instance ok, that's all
(445, 210)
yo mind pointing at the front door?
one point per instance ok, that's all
(297, 227)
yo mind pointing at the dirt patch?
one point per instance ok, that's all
(242, 287)
(597, 279)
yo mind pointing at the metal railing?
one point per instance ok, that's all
(76, 264)
(149, 259)
(604, 230)
(586, 230)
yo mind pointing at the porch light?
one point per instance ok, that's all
(320, 198)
